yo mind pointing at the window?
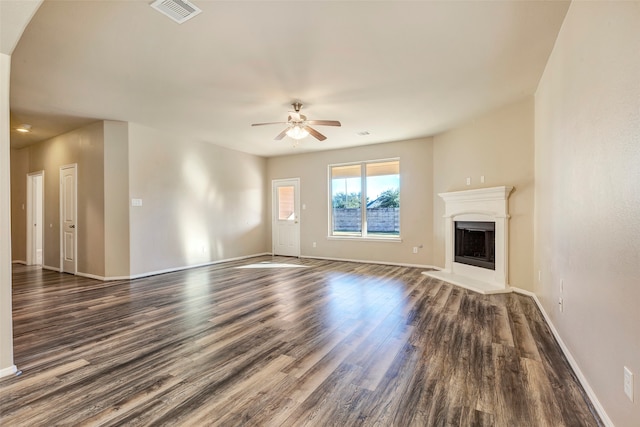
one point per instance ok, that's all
(286, 211)
(374, 185)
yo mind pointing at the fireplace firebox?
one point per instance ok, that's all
(475, 243)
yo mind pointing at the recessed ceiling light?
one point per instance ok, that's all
(24, 128)
(363, 133)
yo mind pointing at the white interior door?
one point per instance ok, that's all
(286, 217)
(35, 218)
(68, 214)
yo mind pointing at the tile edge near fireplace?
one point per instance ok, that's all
(478, 205)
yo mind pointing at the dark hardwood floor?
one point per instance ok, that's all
(329, 343)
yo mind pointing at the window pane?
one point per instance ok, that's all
(383, 198)
(346, 191)
(286, 210)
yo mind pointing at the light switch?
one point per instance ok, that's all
(136, 202)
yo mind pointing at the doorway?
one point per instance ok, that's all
(68, 216)
(35, 218)
(286, 217)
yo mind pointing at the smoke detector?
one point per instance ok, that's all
(178, 10)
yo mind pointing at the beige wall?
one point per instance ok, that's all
(19, 170)
(498, 146)
(13, 19)
(85, 148)
(588, 196)
(6, 323)
(415, 201)
(116, 199)
(195, 196)
(201, 202)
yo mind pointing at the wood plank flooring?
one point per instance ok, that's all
(318, 343)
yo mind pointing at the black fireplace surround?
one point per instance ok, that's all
(475, 244)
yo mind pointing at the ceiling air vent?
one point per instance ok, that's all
(178, 10)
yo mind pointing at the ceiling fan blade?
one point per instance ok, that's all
(281, 135)
(270, 123)
(317, 135)
(324, 122)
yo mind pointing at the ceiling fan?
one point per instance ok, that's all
(298, 125)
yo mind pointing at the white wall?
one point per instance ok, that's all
(587, 132)
(200, 202)
(415, 201)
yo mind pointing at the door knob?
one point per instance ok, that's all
(72, 226)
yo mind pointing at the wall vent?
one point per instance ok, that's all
(178, 10)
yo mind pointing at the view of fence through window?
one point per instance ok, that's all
(374, 185)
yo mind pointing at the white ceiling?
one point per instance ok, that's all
(396, 69)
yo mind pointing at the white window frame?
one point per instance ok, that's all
(363, 235)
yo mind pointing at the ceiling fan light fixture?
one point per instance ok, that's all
(297, 132)
(298, 127)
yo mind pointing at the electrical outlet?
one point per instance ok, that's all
(482, 179)
(314, 244)
(415, 249)
(628, 383)
(468, 180)
(561, 304)
(561, 285)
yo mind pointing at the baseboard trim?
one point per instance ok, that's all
(91, 276)
(48, 267)
(167, 270)
(574, 365)
(11, 370)
(362, 261)
(171, 270)
(18, 261)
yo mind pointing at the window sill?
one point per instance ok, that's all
(367, 239)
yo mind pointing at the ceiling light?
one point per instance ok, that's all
(178, 10)
(24, 128)
(297, 132)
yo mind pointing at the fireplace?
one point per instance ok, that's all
(476, 244)
(476, 239)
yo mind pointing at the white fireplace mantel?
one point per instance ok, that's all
(483, 204)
